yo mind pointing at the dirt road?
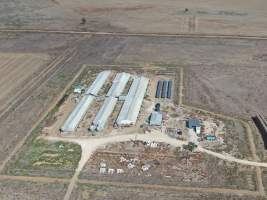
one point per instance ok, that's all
(187, 35)
(89, 145)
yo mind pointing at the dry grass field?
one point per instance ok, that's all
(14, 190)
(146, 16)
(15, 71)
(223, 75)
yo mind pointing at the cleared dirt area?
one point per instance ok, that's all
(209, 16)
(14, 190)
(164, 165)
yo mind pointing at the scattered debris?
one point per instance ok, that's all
(146, 167)
(120, 171)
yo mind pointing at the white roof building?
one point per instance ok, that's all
(98, 83)
(79, 111)
(110, 102)
(133, 102)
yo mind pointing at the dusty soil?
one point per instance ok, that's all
(17, 122)
(230, 89)
(15, 70)
(227, 17)
(13, 190)
(42, 158)
(168, 166)
(106, 192)
(202, 59)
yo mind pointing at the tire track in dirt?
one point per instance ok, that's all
(138, 34)
(60, 96)
(171, 188)
(36, 82)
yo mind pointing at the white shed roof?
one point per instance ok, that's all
(98, 83)
(132, 105)
(107, 108)
(118, 84)
(103, 114)
(79, 111)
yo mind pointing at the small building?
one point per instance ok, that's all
(155, 119)
(102, 170)
(194, 124)
(210, 137)
(79, 89)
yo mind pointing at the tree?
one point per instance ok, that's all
(83, 21)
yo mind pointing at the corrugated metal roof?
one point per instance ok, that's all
(118, 84)
(77, 114)
(107, 108)
(98, 83)
(191, 123)
(131, 107)
(103, 114)
(155, 119)
(79, 111)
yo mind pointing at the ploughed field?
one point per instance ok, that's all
(16, 72)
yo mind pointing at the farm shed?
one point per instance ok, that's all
(169, 91)
(155, 119)
(164, 89)
(98, 83)
(132, 105)
(159, 89)
(193, 123)
(107, 108)
(79, 111)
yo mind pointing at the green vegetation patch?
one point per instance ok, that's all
(43, 157)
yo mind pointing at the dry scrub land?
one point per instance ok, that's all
(215, 79)
(210, 16)
(108, 192)
(13, 190)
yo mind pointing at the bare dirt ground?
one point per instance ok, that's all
(105, 192)
(209, 16)
(15, 70)
(168, 166)
(221, 75)
(236, 67)
(70, 53)
(230, 89)
(13, 190)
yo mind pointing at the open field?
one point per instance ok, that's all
(44, 158)
(107, 192)
(202, 59)
(14, 190)
(15, 70)
(231, 89)
(209, 16)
